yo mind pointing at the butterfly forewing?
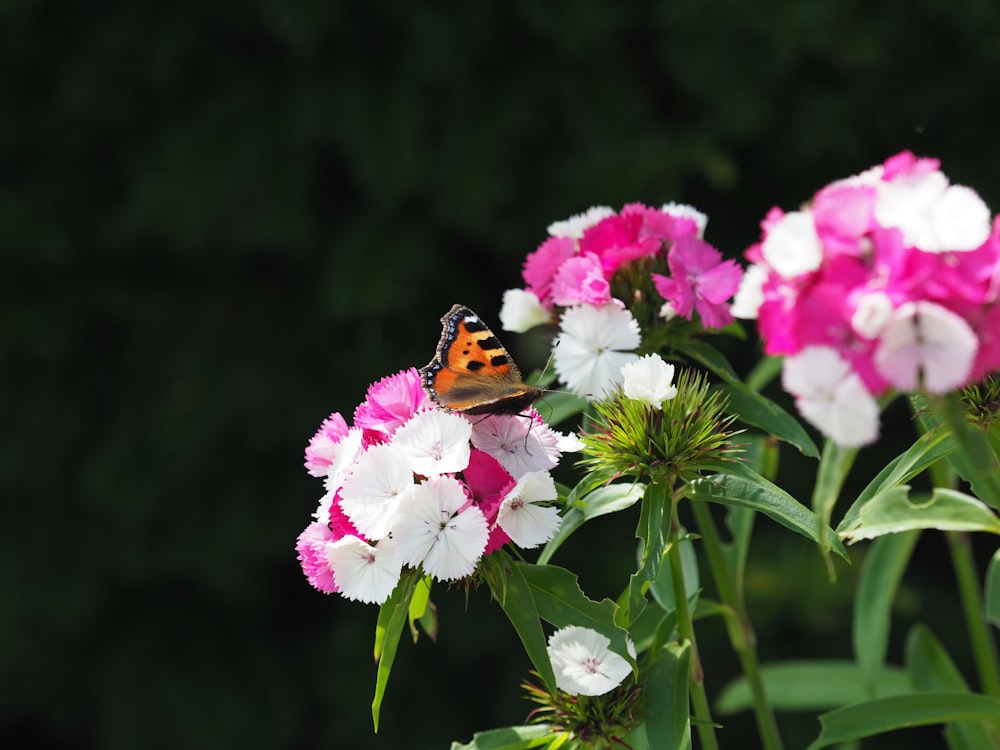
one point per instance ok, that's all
(472, 372)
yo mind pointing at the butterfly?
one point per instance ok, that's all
(471, 371)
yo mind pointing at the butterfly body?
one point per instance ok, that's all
(472, 372)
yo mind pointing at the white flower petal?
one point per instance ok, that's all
(364, 572)
(926, 345)
(750, 296)
(792, 246)
(524, 521)
(519, 442)
(684, 211)
(521, 311)
(872, 314)
(435, 442)
(345, 454)
(649, 379)
(593, 345)
(577, 224)
(371, 494)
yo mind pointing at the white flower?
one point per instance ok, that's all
(684, 211)
(593, 345)
(750, 296)
(649, 379)
(792, 246)
(435, 442)
(519, 442)
(371, 494)
(522, 311)
(344, 455)
(364, 572)
(568, 442)
(926, 345)
(577, 224)
(583, 663)
(668, 311)
(933, 215)
(831, 396)
(527, 523)
(872, 314)
(432, 531)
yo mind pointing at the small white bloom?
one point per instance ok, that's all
(583, 663)
(344, 456)
(684, 211)
(668, 311)
(577, 224)
(519, 442)
(926, 345)
(371, 494)
(527, 523)
(521, 311)
(933, 215)
(568, 442)
(792, 247)
(435, 442)
(872, 314)
(649, 379)
(593, 344)
(440, 530)
(364, 572)
(750, 296)
(831, 396)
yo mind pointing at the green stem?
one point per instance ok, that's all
(742, 636)
(685, 627)
(981, 639)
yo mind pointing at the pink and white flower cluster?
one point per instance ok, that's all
(409, 484)
(888, 279)
(570, 275)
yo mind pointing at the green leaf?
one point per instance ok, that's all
(881, 572)
(992, 593)
(929, 448)
(758, 410)
(709, 357)
(662, 587)
(892, 511)
(560, 602)
(422, 610)
(833, 469)
(509, 738)
(558, 407)
(518, 603)
(392, 617)
(932, 670)
(668, 719)
(604, 500)
(652, 530)
(901, 711)
(744, 487)
(810, 686)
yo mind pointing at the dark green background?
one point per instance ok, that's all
(220, 222)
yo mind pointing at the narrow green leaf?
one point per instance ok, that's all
(810, 686)
(421, 610)
(668, 718)
(518, 603)
(709, 357)
(756, 409)
(392, 618)
(932, 670)
(558, 407)
(928, 449)
(881, 573)
(901, 711)
(509, 738)
(662, 587)
(744, 487)
(833, 469)
(652, 530)
(604, 500)
(893, 511)
(992, 592)
(560, 602)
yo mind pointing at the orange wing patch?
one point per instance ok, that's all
(471, 371)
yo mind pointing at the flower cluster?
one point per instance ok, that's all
(888, 279)
(413, 485)
(572, 277)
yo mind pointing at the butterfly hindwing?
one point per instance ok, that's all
(472, 372)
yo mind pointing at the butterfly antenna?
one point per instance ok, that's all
(545, 369)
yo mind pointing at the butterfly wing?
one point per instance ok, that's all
(472, 372)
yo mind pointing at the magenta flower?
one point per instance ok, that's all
(700, 280)
(580, 280)
(311, 546)
(488, 484)
(390, 402)
(322, 449)
(540, 267)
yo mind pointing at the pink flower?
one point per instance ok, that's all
(390, 402)
(635, 232)
(311, 546)
(580, 280)
(322, 449)
(488, 484)
(700, 281)
(541, 266)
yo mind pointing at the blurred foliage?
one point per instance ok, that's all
(219, 222)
